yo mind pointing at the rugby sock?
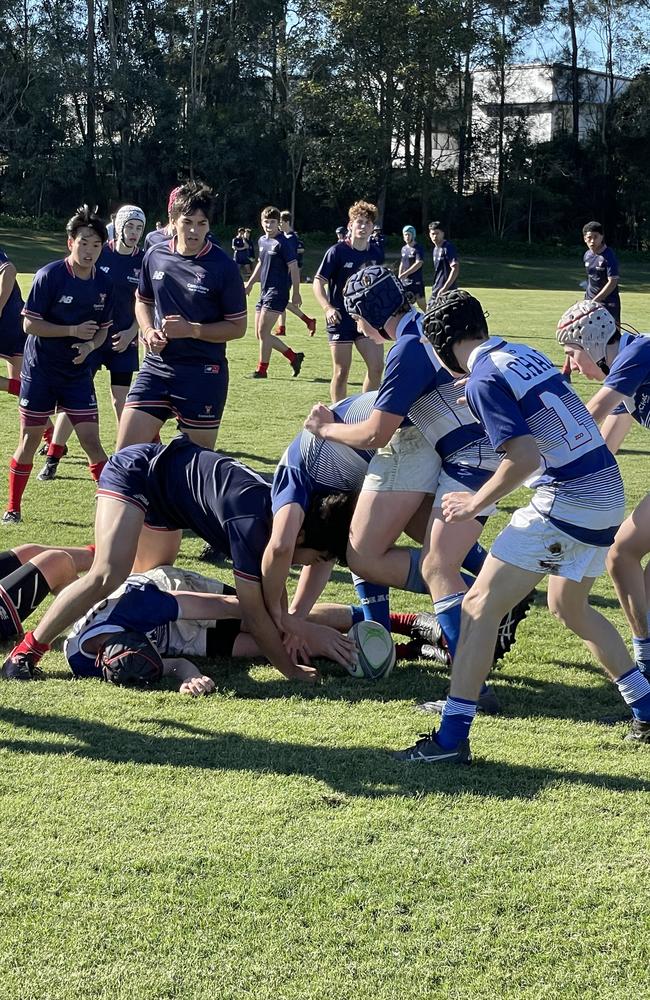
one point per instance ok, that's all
(47, 434)
(357, 613)
(642, 653)
(457, 717)
(447, 611)
(281, 331)
(635, 691)
(18, 476)
(414, 581)
(32, 646)
(96, 469)
(373, 598)
(13, 386)
(55, 452)
(289, 355)
(401, 624)
(474, 559)
(263, 367)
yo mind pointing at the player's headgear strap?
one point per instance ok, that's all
(452, 317)
(374, 294)
(130, 659)
(588, 325)
(127, 213)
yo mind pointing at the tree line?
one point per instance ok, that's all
(278, 101)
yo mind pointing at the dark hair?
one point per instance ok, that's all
(593, 227)
(451, 318)
(436, 224)
(326, 527)
(193, 197)
(285, 216)
(86, 217)
(271, 212)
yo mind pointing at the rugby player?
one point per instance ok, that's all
(296, 245)
(12, 336)
(446, 265)
(411, 268)
(601, 265)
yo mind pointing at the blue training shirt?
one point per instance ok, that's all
(124, 272)
(443, 257)
(275, 255)
(515, 390)
(339, 262)
(600, 268)
(11, 324)
(630, 375)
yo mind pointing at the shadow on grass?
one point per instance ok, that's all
(358, 771)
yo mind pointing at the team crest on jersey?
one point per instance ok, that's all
(66, 299)
(208, 409)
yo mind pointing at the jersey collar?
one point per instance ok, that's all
(70, 269)
(490, 344)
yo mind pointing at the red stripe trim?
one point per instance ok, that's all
(3, 265)
(246, 576)
(11, 608)
(158, 527)
(30, 314)
(235, 315)
(141, 298)
(78, 413)
(206, 248)
(151, 402)
(121, 497)
(198, 424)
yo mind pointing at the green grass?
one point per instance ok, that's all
(262, 843)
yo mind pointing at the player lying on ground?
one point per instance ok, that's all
(547, 435)
(151, 624)
(28, 573)
(183, 486)
(622, 362)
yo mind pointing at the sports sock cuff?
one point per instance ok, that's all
(446, 603)
(633, 686)
(30, 644)
(460, 706)
(55, 451)
(13, 386)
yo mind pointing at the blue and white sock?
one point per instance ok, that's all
(642, 654)
(415, 582)
(635, 691)
(373, 598)
(447, 611)
(457, 717)
(473, 561)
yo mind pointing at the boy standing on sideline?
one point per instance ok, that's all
(67, 316)
(342, 260)
(277, 270)
(602, 270)
(292, 238)
(446, 265)
(411, 270)
(241, 253)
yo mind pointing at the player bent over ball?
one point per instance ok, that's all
(184, 486)
(546, 433)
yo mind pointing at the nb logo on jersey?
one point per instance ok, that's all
(348, 263)
(158, 275)
(104, 269)
(66, 299)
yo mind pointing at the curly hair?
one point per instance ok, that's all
(362, 208)
(452, 317)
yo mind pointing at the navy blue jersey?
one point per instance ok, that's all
(514, 391)
(275, 254)
(138, 605)
(10, 317)
(61, 298)
(154, 237)
(251, 250)
(300, 251)
(630, 375)
(600, 268)
(377, 247)
(443, 257)
(292, 240)
(124, 272)
(339, 262)
(205, 288)
(409, 255)
(315, 465)
(240, 252)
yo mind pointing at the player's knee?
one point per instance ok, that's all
(60, 570)
(480, 605)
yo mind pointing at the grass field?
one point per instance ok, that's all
(262, 843)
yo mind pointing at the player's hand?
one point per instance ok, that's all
(120, 341)
(332, 317)
(327, 642)
(319, 416)
(296, 299)
(196, 686)
(458, 507)
(296, 647)
(459, 384)
(175, 327)
(83, 349)
(247, 288)
(155, 340)
(84, 331)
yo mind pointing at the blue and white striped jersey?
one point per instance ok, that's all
(515, 390)
(314, 465)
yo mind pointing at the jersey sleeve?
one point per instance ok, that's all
(328, 265)
(611, 262)
(407, 376)
(452, 253)
(291, 484)
(248, 537)
(495, 407)
(288, 251)
(233, 297)
(631, 368)
(145, 288)
(40, 296)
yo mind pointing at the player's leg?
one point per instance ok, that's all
(120, 385)
(297, 311)
(281, 328)
(146, 409)
(373, 355)
(137, 426)
(87, 431)
(56, 448)
(26, 586)
(624, 564)
(81, 556)
(11, 383)
(265, 321)
(341, 362)
(568, 601)
(156, 547)
(21, 464)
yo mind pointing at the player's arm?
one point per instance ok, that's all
(86, 347)
(320, 288)
(43, 328)
(311, 584)
(190, 678)
(7, 281)
(123, 338)
(607, 289)
(230, 328)
(521, 459)
(615, 429)
(254, 277)
(453, 276)
(145, 318)
(278, 554)
(374, 432)
(412, 269)
(604, 402)
(294, 274)
(263, 629)
(206, 607)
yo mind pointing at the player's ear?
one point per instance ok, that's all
(70, 242)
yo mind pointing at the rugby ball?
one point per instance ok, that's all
(376, 653)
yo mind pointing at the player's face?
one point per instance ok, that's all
(361, 227)
(85, 247)
(303, 556)
(594, 241)
(583, 363)
(271, 227)
(436, 236)
(191, 231)
(132, 232)
(408, 238)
